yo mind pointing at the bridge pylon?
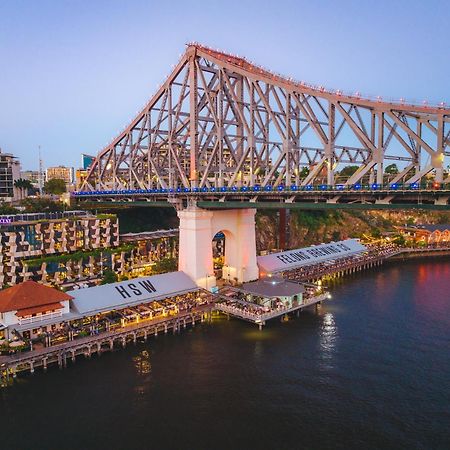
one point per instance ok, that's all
(197, 230)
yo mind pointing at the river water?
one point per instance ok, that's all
(370, 370)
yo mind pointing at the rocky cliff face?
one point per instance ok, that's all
(313, 227)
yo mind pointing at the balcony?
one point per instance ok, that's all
(39, 318)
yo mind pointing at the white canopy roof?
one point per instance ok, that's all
(291, 259)
(97, 299)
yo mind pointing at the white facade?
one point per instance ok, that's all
(9, 320)
(197, 230)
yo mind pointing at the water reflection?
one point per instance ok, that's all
(352, 376)
(143, 368)
(328, 336)
(142, 363)
(258, 352)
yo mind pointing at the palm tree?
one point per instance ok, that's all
(23, 186)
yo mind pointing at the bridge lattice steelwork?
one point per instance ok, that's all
(220, 122)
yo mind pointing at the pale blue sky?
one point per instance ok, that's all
(72, 73)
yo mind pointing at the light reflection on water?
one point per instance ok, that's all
(328, 337)
(368, 370)
(143, 367)
(142, 363)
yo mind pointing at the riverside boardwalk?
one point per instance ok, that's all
(374, 256)
(97, 344)
(44, 326)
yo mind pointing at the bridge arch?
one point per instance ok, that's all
(223, 242)
(198, 228)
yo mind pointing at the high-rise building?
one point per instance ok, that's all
(31, 175)
(9, 173)
(86, 161)
(61, 173)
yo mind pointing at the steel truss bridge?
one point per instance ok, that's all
(222, 130)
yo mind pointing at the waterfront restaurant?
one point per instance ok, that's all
(32, 306)
(273, 293)
(30, 310)
(291, 260)
(131, 293)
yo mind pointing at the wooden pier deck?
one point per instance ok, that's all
(261, 319)
(60, 354)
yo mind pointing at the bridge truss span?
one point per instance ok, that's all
(220, 121)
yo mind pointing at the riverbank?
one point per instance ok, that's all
(415, 253)
(369, 370)
(98, 343)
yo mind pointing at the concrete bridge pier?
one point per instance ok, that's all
(197, 230)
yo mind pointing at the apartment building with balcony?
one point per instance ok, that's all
(31, 243)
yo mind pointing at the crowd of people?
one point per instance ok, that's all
(315, 271)
(111, 320)
(244, 309)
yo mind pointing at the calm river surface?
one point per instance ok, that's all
(370, 370)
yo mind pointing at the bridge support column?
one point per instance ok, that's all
(197, 230)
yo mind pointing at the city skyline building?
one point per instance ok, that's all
(9, 173)
(60, 172)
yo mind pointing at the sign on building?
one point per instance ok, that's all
(291, 259)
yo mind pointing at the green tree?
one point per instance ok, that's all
(391, 169)
(55, 186)
(41, 205)
(109, 277)
(376, 232)
(165, 265)
(336, 236)
(348, 171)
(7, 209)
(24, 186)
(399, 239)
(304, 172)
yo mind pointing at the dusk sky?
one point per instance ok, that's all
(73, 73)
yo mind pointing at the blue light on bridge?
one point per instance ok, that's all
(309, 187)
(340, 187)
(294, 187)
(357, 187)
(280, 188)
(323, 187)
(394, 186)
(414, 185)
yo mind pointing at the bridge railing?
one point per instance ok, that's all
(258, 190)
